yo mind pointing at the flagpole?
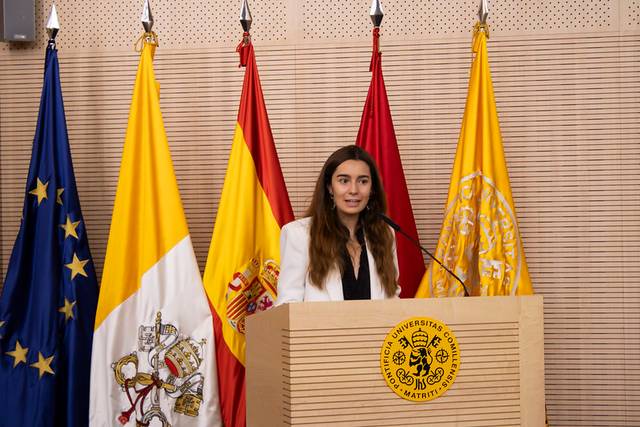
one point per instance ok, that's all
(245, 21)
(53, 26)
(245, 16)
(147, 23)
(376, 14)
(483, 14)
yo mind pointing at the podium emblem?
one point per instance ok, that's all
(420, 358)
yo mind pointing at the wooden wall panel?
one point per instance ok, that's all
(567, 83)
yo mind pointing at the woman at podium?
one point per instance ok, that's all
(341, 249)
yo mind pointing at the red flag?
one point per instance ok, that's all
(378, 138)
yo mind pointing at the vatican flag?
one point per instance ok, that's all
(479, 239)
(153, 350)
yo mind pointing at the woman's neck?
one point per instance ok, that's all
(351, 222)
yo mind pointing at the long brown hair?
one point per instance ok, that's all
(329, 237)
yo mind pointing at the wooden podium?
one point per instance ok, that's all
(318, 363)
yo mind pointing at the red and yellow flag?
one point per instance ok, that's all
(378, 138)
(479, 239)
(243, 263)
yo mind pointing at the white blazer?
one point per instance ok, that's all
(294, 284)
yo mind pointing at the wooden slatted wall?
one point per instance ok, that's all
(567, 82)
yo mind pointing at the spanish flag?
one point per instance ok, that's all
(243, 263)
(153, 341)
(479, 239)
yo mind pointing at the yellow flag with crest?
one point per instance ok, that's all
(479, 240)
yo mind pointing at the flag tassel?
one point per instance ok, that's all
(141, 395)
(375, 54)
(243, 49)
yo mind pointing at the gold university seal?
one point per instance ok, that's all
(479, 242)
(420, 359)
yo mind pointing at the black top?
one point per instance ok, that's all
(359, 288)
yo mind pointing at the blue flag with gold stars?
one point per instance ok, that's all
(48, 303)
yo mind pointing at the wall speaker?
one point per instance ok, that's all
(17, 20)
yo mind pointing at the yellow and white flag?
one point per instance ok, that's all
(153, 348)
(479, 239)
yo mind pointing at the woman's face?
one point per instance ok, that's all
(350, 187)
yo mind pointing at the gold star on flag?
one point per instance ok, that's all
(59, 192)
(70, 228)
(77, 266)
(43, 365)
(19, 354)
(40, 191)
(67, 309)
(2, 322)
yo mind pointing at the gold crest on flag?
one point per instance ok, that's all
(252, 289)
(479, 241)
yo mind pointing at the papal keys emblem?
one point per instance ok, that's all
(251, 289)
(165, 365)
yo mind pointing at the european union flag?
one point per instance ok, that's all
(48, 304)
